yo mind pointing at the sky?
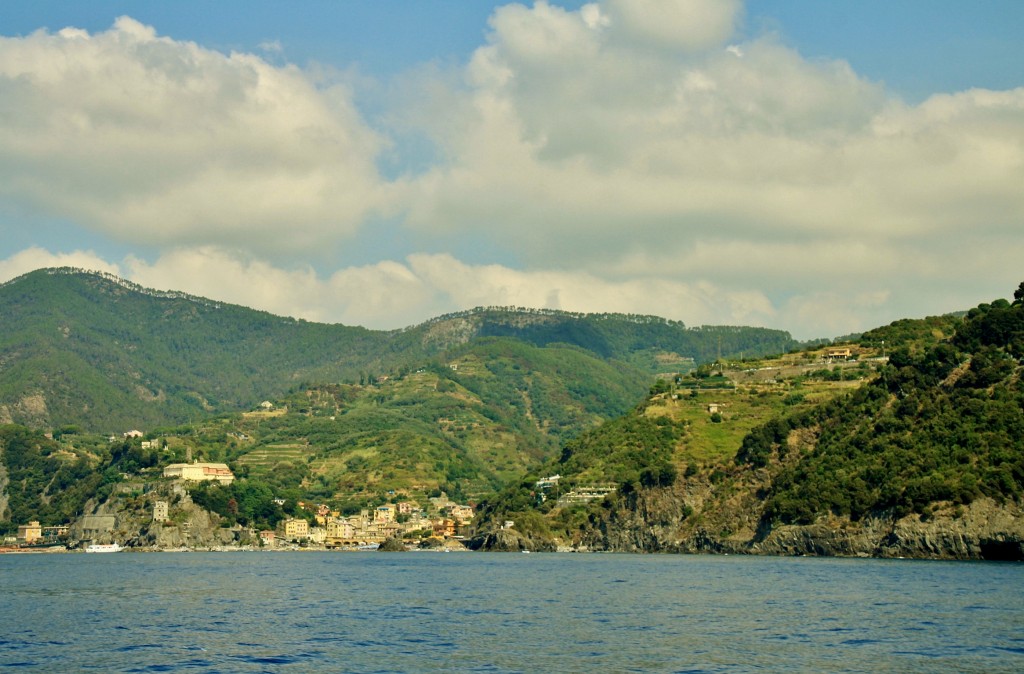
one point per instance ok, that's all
(818, 167)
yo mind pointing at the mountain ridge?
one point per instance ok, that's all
(104, 353)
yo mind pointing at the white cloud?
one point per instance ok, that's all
(482, 285)
(394, 294)
(271, 46)
(688, 25)
(153, 140)
(34, 258)
(633, 156)
(743, 165)
(381, 295)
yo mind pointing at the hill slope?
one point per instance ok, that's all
(926, 459)
(99, 352)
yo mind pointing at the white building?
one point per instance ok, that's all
(200, 472)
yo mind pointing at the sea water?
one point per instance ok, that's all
(491, 612)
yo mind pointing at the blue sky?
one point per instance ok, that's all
(818, 167)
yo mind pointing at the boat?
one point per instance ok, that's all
(104, 547)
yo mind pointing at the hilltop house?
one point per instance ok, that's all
(200, 472)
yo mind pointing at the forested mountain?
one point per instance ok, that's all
(462, 403)
(924, 458)
(906, 443)
(465, 427)
(104, 354)
(95, 351)
(944, 425)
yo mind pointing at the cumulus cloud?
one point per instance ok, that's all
(34, 258)
(584, 143)
(393, 294)
(688, 25)
(155, 140)
(381, 295)
(480, 285)
(631, 155)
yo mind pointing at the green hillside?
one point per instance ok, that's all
(102, 353)
(936, 426)
(95, 351)
(465, 426)
(942, 425)
(462, 403)
(681, 429)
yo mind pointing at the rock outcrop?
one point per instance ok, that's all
(127, 518)
(981, 530)
(393, 544)
(510, 540)
(691, 520)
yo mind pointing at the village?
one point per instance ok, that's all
(441, 523)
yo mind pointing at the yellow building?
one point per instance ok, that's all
(295, 528)
(462, 514)
(839, 352)
(161, 511)
(339, 532)
(30, 533)
(444, 527)
(200, 472)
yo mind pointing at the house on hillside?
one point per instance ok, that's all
(30, 533)
(200, 472)
(161, 511)
(295, 528)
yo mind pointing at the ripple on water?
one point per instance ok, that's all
(492, 613)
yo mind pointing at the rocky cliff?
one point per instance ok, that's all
(510, 540)
(127, 518)
(693, 518)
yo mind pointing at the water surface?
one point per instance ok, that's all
(434, 612)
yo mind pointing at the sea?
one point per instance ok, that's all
(511, 612)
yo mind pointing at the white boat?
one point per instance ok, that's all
(104, 547)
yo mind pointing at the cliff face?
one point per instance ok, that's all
(982, 530)
(127, 518)
(510, 540)
(694, 519)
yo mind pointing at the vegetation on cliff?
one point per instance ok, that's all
(934, 429)
(50, 480)
(534, 412)
(943, 425)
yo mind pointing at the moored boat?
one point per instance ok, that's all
(103, 547)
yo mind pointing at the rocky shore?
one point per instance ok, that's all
(693, 521)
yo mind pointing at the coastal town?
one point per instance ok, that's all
(440, 523)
